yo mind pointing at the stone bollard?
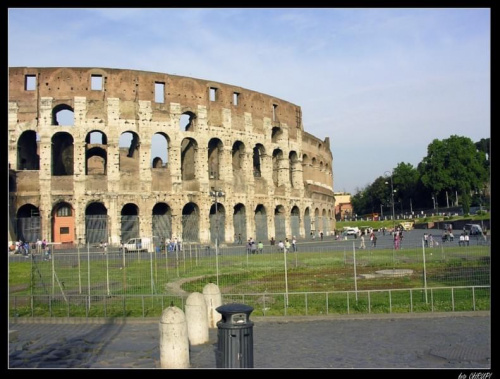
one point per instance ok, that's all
(213, 300)
(197, 319)
(174, 342)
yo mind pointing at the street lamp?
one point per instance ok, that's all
(216, 193)
(392, 200)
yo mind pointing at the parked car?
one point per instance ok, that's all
(474, 229)
(141, 244)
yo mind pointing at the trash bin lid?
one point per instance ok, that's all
(228, 309)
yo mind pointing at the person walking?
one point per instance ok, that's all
(287, 245)
(396, 241)
(362, 243)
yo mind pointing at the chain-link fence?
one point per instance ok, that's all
(338, 276)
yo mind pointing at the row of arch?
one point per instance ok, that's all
(223, 225)
(96, 155)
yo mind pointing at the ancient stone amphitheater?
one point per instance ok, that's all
(99, 154)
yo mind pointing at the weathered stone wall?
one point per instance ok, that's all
(127, 101)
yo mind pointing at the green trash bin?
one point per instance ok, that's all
(235, 336)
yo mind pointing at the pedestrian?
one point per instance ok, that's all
(249, 246)
(253, 247)
(426, 240)
(396, 241)
(260, 247)
(362, 243)
(239, 239)
(321, 235)
(38, 246)
(272, 241)
(281, 246)
(466, 237)
(374, 240)
(287, 245)
(294, 244)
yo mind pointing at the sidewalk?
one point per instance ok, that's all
(453, 340)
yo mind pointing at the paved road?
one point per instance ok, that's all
(455, 340)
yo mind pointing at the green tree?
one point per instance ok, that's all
(405, 178)
(453, 164)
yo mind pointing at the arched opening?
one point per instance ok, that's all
(28, 225)
(162, 221)
(96, 153)
(190, 223)
(217, 222)
(215, 149)
(295, 221)
(261, 233)
(130, 227)
(240, 223)
(258, 153)
(308, 230)
(28, 157)
(159, 150)
(62, 154)
(279, 223)
(96, 223)
(129, 150)
(187, 122)
(189, 149)
(63, 114)
(238, 164)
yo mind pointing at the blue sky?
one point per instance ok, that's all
(381, 83)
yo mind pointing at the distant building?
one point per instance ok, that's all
(343, 206)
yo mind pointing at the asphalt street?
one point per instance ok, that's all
(453, 340)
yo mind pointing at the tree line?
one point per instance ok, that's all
(455, 172)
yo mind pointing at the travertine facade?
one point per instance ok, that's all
(97, 153)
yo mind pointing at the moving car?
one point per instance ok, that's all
(351, 231)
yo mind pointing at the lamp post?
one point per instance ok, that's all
(216, 193)
(392, 200)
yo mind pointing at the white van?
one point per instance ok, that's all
(139, 244)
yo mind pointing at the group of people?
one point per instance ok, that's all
(447, 235)
(254, 248)
(283, 246)
(373, 239)
(172, 245)
(23, 248)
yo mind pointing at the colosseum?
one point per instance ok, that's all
(99, 154)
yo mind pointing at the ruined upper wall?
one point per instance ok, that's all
(130, 86)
